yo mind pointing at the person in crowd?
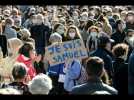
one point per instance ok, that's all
(106, 26)
(25, 36)
(104, 51)
(3, 44)
(120, 68)
(129, 41)
(85, 32)
(94, 69)
(40, 84)
(60, 29)
(27, 56)
(73, 67)
(91, 43)
(130, 20)
(120, 34)
(30, 21)
(56, 72)
(40, 33)
(8, 30)
(19, 74)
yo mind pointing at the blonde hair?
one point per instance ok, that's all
(25, 33)
(14, 44)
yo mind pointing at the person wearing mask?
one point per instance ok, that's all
(40, 33)
(120, 68)
(95, 70)
(8, 30)
(120, 34)
(60, 29)
(104, 51)
(73, 67)
(129, 41)
(91, 43)
(85, 32)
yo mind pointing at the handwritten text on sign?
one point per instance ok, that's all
(61, 52)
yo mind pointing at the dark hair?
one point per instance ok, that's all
(120, 50)
(19, 71)
(56, 26)
(25, 49)
(94, 66)
(88, 24)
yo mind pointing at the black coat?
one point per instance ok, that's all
(41, 34)
(3, 44)
(118, 37)
(120, 76)
(107, 58)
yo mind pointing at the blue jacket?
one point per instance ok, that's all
(56, 69)
(72, 74)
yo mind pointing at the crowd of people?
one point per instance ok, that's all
(107, 33)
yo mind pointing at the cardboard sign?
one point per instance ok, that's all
(59, 53)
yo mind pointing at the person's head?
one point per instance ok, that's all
(17, 22)
(14, 44)
(55, 38)
(100, 26)
(123, 15)
(40, 19)
(19, 72)
(6, 13)
(73, 32)
(59, 28)
(93, 30)
(25, 34)
(104, 42)
(88, 24)
(27, 49)
(62, 21)
(15, 12)
(94, 67)
(116, 16)
(130, 37)
(40, 84)
(130, 17)
(120, 25)
(120, 51)
(9, 22)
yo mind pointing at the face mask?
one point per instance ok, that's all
(91, 17)
(130, 18)
(75, 17)
(124, 26)
(60, 31)
(110, 17)
(93, 34)
(72, 35)
(39, 21)
(34, 21)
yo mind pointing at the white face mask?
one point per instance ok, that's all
(72, 35)
(93, 34)
(34, 21)
(75, 17)
(39, 21)
(60, 31)
(91, 17)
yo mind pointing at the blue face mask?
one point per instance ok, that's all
(109, 17)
